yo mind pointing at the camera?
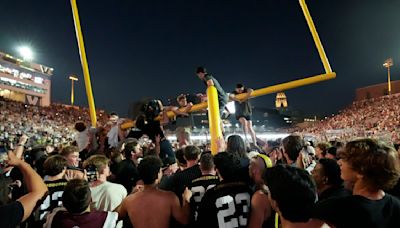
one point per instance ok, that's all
(91, 173)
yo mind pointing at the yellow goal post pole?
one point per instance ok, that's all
(84, 62)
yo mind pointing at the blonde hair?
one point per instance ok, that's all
(99, 161)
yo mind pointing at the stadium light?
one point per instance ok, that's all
(388, 63)
(72, 78)
(26, 53)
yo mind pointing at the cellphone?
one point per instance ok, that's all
(91, 173)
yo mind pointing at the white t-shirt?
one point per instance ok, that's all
(82, 139)
(107, 196)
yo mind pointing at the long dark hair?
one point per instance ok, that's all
(236, 146)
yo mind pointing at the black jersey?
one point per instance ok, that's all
(225, 205)
(198, 187)
(53, 199)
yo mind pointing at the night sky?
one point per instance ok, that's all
(150, 48)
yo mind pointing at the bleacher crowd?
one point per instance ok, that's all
(375, 118)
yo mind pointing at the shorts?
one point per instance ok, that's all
(248, 118)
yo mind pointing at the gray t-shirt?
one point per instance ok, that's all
(222, 95)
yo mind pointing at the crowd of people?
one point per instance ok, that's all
(288, 183)
(113, 177)
(300, 184)
(375, 117)
(51, 125)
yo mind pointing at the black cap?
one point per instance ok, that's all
(201, 69)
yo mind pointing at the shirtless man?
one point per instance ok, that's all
(261, 210)
(149, 201)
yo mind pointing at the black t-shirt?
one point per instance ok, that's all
(243, 108)
(127, 174)
(225, 205)
(358, 211)
(11, 214)
(222, 96)
(198, 187)
(151, 129)
(334, 192)
(180, 180)
(395, 191)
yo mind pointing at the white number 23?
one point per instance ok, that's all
(241, 199)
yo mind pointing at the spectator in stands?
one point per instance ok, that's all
(106, 196)
(370, 166)
(126, 172)
(13, 213)
(143, 205)
(292, 194)
(200, 185)
(230, 192)
(54, 168)
(261, 211)
(76, 201)
(327, 178)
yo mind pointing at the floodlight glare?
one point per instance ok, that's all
(26, 53)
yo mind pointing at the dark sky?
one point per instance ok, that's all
(149, 48)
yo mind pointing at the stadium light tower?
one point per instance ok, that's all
(72, 78)
(26, 53)
(388, 63)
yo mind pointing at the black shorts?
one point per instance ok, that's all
(248, 118)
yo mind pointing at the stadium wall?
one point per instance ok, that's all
(377, 90)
